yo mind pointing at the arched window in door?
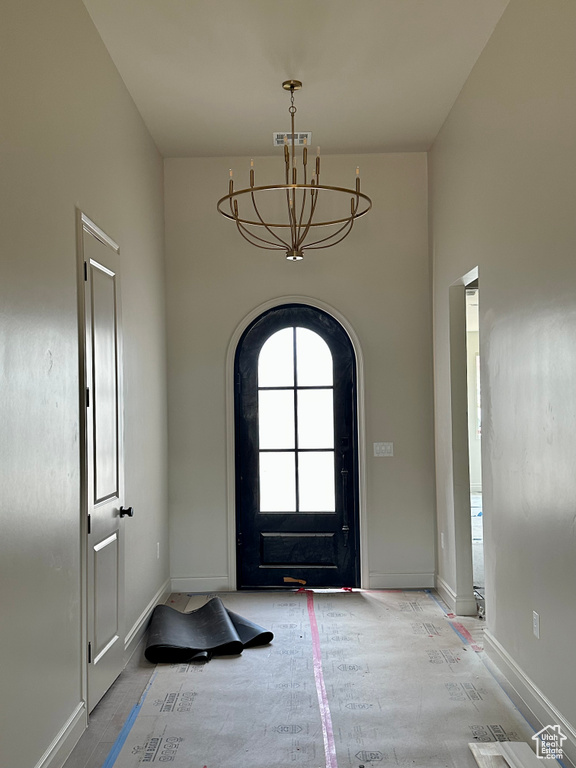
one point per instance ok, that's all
(296, 423)
(296, 474)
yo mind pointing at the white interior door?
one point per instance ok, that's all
(103, 469)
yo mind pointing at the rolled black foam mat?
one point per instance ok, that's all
(212, 630)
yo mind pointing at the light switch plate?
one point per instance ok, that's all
(383, 449)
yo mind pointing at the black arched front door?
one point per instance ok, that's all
(296, 452)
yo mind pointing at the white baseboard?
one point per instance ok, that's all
(446, 593)
(461, 605)
(400, 580)
(66, 739)
(201, 584)
(137, 632)
(543, 711)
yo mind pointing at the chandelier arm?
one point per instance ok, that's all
(304, 198)
(251, 238)
(287, 161)
(294, 227)
(313, 203)
(303, 230)
(290, 222)
(273, 246)
(350, 221)
(302, 209)
(316, 247)
(291, 200)
(328, 239)
(263, 223)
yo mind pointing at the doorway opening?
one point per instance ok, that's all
(475, 441)
(296, 452)
(463, 597)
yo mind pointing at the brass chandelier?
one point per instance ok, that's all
(248, 207)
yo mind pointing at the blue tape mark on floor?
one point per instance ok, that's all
(484, 662)
(429, 593)
(464, 639)
(126, 728)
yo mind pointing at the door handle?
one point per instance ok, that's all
(126, 511)
(345, 526)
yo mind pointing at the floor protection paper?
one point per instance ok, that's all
(351, 680)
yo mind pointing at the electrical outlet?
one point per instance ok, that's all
(158, 550)
(536, 624)
(383, 449)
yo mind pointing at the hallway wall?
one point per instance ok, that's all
(71, 137)
(378, 279)
(503, 197)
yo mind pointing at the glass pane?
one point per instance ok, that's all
(277, 482)
(316, 481)
(315, 418)
(313, 359)
(276, 360)
(276, 418)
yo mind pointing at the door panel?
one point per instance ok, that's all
(296, 469)
(104, 382)
(103, 466)
(299, 549)
(106, 629)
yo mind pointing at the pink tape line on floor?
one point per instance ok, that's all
(463, 632)
(327, 732)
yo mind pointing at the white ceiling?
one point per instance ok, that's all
(379, 75)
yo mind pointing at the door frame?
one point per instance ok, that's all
(230, 429)
(84, 223)
(461, 598)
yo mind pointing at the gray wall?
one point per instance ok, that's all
(503, 198)
(377, 279)
(71, 137)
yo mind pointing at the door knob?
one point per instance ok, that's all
(126, 511)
